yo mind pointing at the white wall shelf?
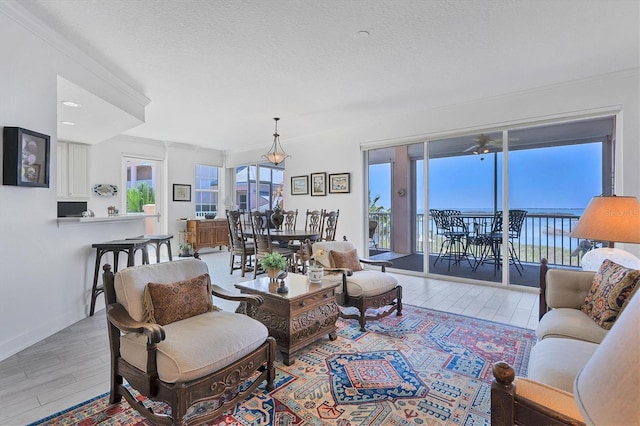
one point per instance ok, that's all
(103, 219)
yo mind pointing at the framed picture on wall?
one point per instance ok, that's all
(25, 158)
(318, 184)
(299, 185)
(181, 192)
(339, 183)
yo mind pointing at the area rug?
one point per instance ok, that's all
(425, 367)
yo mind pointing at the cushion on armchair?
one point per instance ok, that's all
(165, 303)
(612, 286)
(345, 259)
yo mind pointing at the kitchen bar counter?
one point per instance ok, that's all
(102, 219)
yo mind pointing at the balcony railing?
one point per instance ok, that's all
(542, 236)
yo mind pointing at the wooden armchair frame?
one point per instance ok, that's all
(180, 395)
(391, 298)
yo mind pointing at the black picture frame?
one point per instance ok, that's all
(299, 185)
(340, 183)
(318, 184)
(181, 192)
(26, 157)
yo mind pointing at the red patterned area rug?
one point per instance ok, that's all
(424, 368)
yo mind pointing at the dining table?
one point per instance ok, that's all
(288, 234)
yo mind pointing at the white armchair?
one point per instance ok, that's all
(361, 288)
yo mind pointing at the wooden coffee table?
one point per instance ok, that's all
(297, 318)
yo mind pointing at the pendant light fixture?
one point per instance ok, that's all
(276, 154)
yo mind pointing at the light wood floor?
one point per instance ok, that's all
(72, 365)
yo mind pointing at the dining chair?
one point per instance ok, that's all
(239, 244)
(290, 219)
(262, 240)
(329, 224)
(313, 221)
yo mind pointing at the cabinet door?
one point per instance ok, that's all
(78, 171)
(62, 162)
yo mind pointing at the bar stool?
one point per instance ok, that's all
(116, 246)
(157, 241)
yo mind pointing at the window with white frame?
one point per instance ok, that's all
(207, 190)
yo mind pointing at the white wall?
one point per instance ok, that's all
(46, 271)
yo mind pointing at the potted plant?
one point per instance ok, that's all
(273, 263)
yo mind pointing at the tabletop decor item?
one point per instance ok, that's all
(273, 263)
(105, 190)
(315, 271)
(277, 218)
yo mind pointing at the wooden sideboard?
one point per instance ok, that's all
(208, 233)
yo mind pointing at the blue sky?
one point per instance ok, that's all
(564, 177)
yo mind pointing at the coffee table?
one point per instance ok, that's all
(297, 318)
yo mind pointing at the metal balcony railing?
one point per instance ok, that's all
(542, 236)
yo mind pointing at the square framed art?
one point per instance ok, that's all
(181, 192)
(318, 184)
(299, 185)
(25, 158)
(339, 183)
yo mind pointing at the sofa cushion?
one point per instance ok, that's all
(197, 346)
(612, 285)
(370, 283)
(321, 250)
(165, 303)
(569, 323)
(345, 259)
(130, 282)
(557, 361)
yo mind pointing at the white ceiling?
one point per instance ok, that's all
(218, 71)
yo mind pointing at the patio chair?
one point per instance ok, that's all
(373, 226)
(171, 344)
(492, 242)
(454, 233)
(362, 289)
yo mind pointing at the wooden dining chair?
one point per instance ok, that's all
(240, 247)
(329, 224)
(313, 221)
(262, 240)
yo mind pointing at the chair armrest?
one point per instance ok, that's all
(381, 263)
(227, 295)
(120, 318)
(517, 400)
(345, 271)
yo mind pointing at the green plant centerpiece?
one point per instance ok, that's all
(273, 263)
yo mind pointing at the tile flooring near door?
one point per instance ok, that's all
(72, 365)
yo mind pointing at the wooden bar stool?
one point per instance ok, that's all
(116, 246)
(157, 241)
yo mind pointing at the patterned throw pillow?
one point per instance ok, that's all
(345, 259)
(165, 303)
(612, 286)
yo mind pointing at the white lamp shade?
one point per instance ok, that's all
(607, 389)
(592, 259)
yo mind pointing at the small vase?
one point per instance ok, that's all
(272, 273)
(277, 218)
(315, 274)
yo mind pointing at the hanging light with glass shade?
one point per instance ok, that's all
(276, 154)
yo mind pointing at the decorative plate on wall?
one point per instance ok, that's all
(105, 190)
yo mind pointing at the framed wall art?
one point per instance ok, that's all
(25, 158)
(299, 185)
(181, 192)
(339, 183)
(318, 184)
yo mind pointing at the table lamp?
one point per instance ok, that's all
(611, 219)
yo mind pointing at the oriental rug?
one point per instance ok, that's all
(424, 368)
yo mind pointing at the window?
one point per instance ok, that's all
(206, 191)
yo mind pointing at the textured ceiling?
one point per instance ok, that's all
(218, 71)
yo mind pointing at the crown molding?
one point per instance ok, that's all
(14, 10)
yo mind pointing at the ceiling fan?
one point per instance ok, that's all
(484, 144)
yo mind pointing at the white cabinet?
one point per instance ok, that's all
(73, 170)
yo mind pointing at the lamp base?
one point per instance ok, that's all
(592, 259)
